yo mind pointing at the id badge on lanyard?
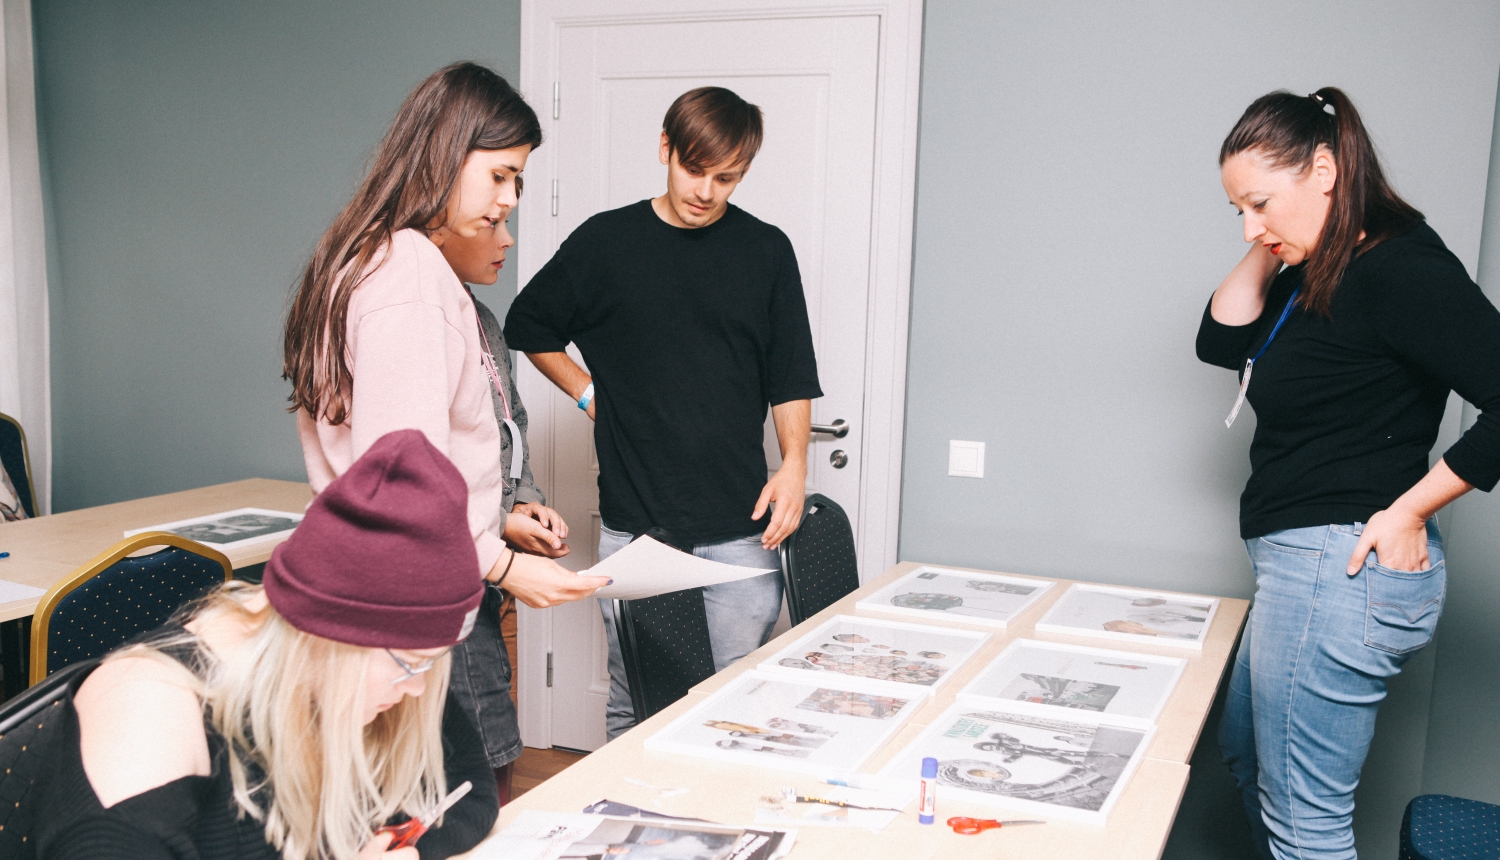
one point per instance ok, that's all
(517, 451)
(1250, 363)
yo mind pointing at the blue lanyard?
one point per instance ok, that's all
(1285, 312)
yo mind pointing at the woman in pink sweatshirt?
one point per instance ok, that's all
(382, 336)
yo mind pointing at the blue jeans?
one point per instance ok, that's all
(740, 614)
(1310, 673)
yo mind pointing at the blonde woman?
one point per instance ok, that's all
(296, 719)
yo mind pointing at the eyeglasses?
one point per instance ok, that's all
(412, 671)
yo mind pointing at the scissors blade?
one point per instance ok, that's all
(1014, 823)
(453, 797)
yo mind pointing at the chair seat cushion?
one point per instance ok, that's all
(1440, 827)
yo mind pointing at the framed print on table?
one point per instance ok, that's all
(1131, 615)
(893, 654)
(1044, 766)
(811, 725)
(956, 595)
(1089, 683)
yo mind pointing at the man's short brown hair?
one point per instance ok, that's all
(711, 125)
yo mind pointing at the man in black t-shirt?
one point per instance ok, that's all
(690, 315)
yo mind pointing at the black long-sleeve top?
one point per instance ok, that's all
(1347, 408)
(195, 817)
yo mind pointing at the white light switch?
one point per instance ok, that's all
(965, 459)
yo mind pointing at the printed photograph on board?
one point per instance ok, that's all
(1039, 764)
(1129, 614)
(1075, 677)
(956, 595)
(892, 653)
(787, 723)
(230, 528)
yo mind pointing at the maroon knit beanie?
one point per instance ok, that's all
(383, 558)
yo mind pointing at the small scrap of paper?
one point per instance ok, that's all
(16, 591)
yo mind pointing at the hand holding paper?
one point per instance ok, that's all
(648, 567)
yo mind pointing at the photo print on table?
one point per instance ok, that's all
(893, 654)
(1047, 676)
(1131, 615)
(787, 723)
(231, 528)
(1039, 765)
(955, 595)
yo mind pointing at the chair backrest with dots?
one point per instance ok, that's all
(17, 461)
(819, 559)
(665, 646)
(116, 597)
(27, 724)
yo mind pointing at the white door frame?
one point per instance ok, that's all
(894, 191)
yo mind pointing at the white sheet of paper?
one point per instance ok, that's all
(16, 591)
(649, 567)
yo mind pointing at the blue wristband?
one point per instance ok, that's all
(588, 395)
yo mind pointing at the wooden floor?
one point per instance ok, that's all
(535, 766)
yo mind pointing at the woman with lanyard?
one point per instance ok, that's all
(382, 336)
(301, 719)
(1349, 322)
(529, 524)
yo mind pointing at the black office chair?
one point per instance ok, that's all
(17, 461)
(664, 643)
(113, 598)
(27, 723)
(1441, 827)
(818, 561)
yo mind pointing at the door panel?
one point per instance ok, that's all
(815, 79)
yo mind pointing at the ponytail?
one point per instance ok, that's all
(1288, 130)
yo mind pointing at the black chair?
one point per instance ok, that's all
(665, 646)
(27, 723)
(1442, 827)
(110, 600)
(17, 461)
(818, 561)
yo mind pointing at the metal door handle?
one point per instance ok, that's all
(838, 429)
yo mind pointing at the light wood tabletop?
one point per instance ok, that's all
(727, 793)
(46, 549)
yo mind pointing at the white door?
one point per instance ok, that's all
(817, 80)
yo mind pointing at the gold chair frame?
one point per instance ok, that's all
(97, 565)
(25, 456)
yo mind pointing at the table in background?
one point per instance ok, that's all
(1138, 824)
(43, 550)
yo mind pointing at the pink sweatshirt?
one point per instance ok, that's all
(413, 349)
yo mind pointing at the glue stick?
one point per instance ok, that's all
(927, 798)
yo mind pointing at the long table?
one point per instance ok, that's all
(44, 550)
(727, 793)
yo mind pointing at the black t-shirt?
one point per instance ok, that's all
(1347, 409)
(689, 335)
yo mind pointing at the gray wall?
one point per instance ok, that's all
(196, 152)
(1070, 227)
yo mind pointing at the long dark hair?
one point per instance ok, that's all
(457, 110)
(1288, 130)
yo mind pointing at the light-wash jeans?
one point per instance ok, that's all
(740, 614)
(1310, 673)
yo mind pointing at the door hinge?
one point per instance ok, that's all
(549, 668)
(554, 198)
(557, 100)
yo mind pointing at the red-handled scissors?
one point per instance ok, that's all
(971, 826)
(408, 832)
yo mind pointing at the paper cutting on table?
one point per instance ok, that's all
(1053, 677)
(16, 591)
(535, 835)
(787, 723)
(890, 653)
(647, 567)
(956, 595)
(230, 529)
(1131, 615)
(1039, 765)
